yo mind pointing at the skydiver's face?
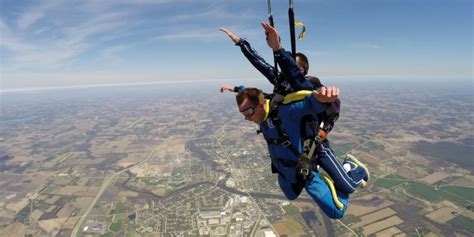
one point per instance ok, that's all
(251, 112)
(301, 64)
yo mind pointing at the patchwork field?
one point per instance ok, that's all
(375, 216)
(290, 226)
(390, 181)
(380, 225)
(442, 215)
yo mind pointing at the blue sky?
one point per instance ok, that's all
(53, 43)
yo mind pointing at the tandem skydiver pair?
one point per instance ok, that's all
(294, 121)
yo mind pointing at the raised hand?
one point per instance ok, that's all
(231, 35)
(273, 38)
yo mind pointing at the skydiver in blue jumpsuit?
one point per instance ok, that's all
(294, 75)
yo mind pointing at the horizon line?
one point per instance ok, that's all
(29, 89)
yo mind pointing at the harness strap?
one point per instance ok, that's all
(305, 163)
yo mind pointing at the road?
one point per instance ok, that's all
(105, 184)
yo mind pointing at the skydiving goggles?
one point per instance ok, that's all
(248, 111)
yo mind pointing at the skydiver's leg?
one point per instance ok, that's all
(257, 61)
(321, 194)
(343, 181)
(291, 191)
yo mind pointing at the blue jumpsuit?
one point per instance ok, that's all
(294, 80)
(284, 160)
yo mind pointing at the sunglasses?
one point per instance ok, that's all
(248, 111)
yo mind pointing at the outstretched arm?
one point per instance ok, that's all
(254, 58)
(287, 63)
(317, 101)
(232, 88)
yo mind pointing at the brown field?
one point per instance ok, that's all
(76, 191)
(176, 146)
(5, 214)
(388, 232)
(366, 206)
(14, 229)
(127, 194)
(467, 181)
(380, 225)
(83, 202)
(36, 215)
(70, 223)
(434, 177)
(372, 162)
(280, 229)
(66, 211)
(431, 234)
(374, 216)
(51, 208)
(409, 173)
(17, 206)
(159, 191)
(288, 226)
(134, 157)
(52, 200)
(140, 170)
(468, 213)
(103, 145)
(52, 226)
(125, 164)
(366, 157)
(401, 235)
(441, 215)
(80, 203)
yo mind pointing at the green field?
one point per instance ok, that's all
(293, 226)
(108, 234)
(390, 181)
(290, 210)
(463, 222)
(465, 192)
(371, 146)
(43, 207)
(429, 193)
(116, 226)
(424, 191)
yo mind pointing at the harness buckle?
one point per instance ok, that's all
(305, 172)
(286, 143)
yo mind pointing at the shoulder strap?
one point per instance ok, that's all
(305, 164)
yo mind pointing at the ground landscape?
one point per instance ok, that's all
(171, 160)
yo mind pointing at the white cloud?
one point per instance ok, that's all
(35, 13)
(368, 45)
(51, 36)
(50, 46)
(191, 35)
(218, 13)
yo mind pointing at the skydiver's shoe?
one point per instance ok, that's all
(358, 169)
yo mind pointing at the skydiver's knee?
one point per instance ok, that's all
(336, 214)
(344, 187)
(290, 197)
(288, 189)
(289, 192)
